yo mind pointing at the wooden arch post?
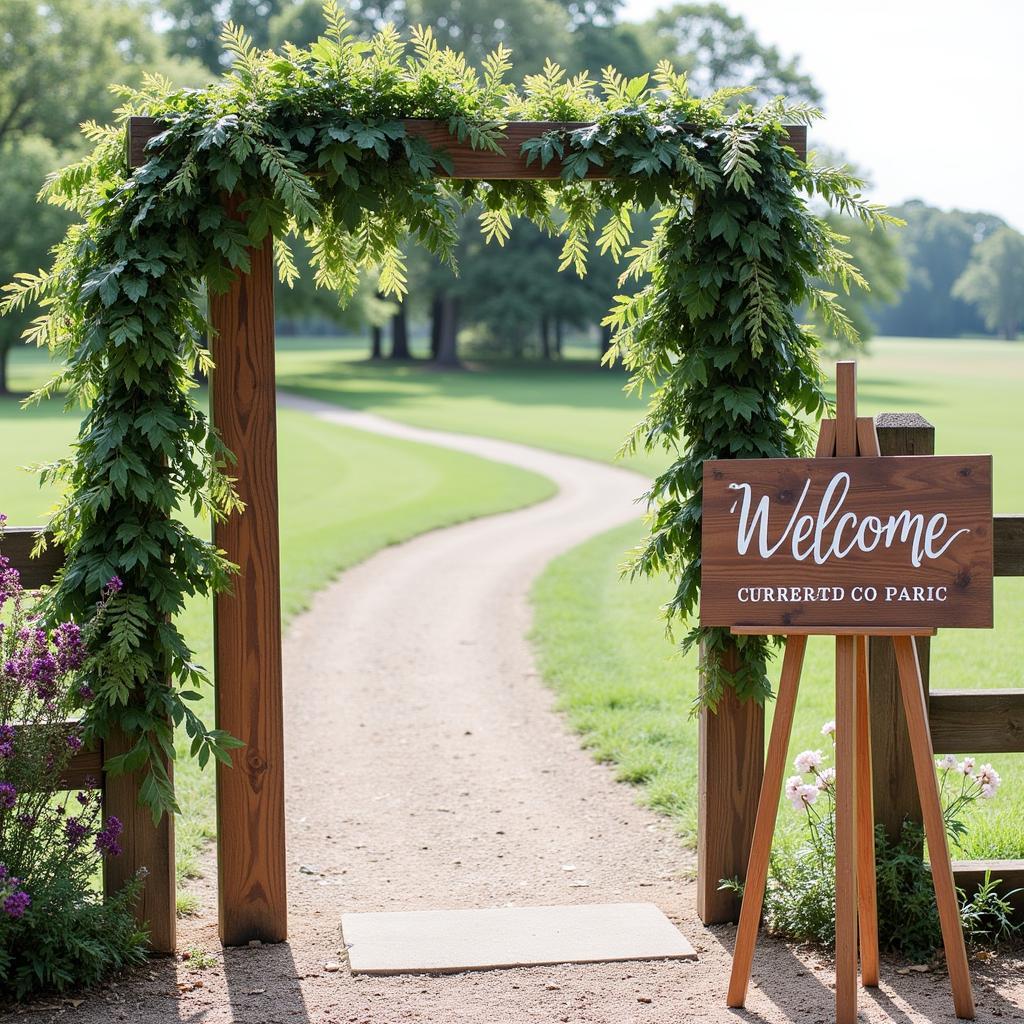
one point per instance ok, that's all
(247, 622)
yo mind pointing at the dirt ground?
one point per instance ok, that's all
(428, 768)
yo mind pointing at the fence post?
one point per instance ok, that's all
(895, 790)
(143, 844)
(730, 768)
(247, 621)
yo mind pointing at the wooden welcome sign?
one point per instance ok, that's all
(852, 545)
(897, 541)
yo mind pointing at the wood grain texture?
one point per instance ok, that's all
(790, 588)
(915, 706)
(145, 846)
(17, 544)
(1008, 542)
(846, 830)
(469, 163)
(895, 794)
(867, 888)
(832, 631)
(756, 874)
(982, 721)
(247, 622)
(730, 762)
(846, 408)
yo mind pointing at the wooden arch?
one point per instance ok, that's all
(247, 623)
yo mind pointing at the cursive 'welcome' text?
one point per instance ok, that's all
(831, 533)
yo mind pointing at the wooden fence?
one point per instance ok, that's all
(987, 721)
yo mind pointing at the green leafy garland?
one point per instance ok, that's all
(312, 142)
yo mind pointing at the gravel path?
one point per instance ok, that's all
(427, 768)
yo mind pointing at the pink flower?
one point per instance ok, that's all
(829, 728)
(804, 796)
(947, 763)
(808, 760)
(826, 778)
(989, 780)
(966, 766)
(793, 784)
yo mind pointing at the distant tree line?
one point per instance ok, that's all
(945, 274)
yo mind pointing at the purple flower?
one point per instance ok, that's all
(106, 839)
(75, 832)
(17, 903)
(6, 740)
(74, 743)
(67, 639)
(85, 692)
(114, 585)
(3, 872)
(8, 795)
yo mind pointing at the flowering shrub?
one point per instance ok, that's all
(56, 930)
(800, 895)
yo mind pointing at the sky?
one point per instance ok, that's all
(928, 98)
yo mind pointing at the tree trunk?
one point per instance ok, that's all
(436, 315)
(5, 352)
(606, 339)
(545, 337)
(376, 342)
(400, 334)
(558, 337)
(448, 333)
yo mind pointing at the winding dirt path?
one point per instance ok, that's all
(427, 768)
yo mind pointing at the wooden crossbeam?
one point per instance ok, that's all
(17, 545)
(469, 164)
(979, 721)
(1008, 543)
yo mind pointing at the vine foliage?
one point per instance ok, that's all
(312, 143)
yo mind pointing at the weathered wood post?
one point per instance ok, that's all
(247, 621)
(730, 768)
(895, 790)
(143, 845)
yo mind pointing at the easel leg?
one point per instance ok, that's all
(846, 830)
(934, 825)
(867, 902)
(764, 824)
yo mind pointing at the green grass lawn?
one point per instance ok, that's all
(600, 641)
(344, 495)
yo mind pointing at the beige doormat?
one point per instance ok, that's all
(429, 941)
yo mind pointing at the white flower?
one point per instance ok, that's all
(989, 780)
(804, 796)
(826, 777)
(793, 784)
(829, 729)
(966, 766)
(947, 763)
(808, 760)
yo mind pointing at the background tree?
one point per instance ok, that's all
(57, 60)
(936, 245)
(993, 281)
(59, 57)
(27, 228)
(719, 50)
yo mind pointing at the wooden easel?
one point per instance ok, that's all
(847, 435)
